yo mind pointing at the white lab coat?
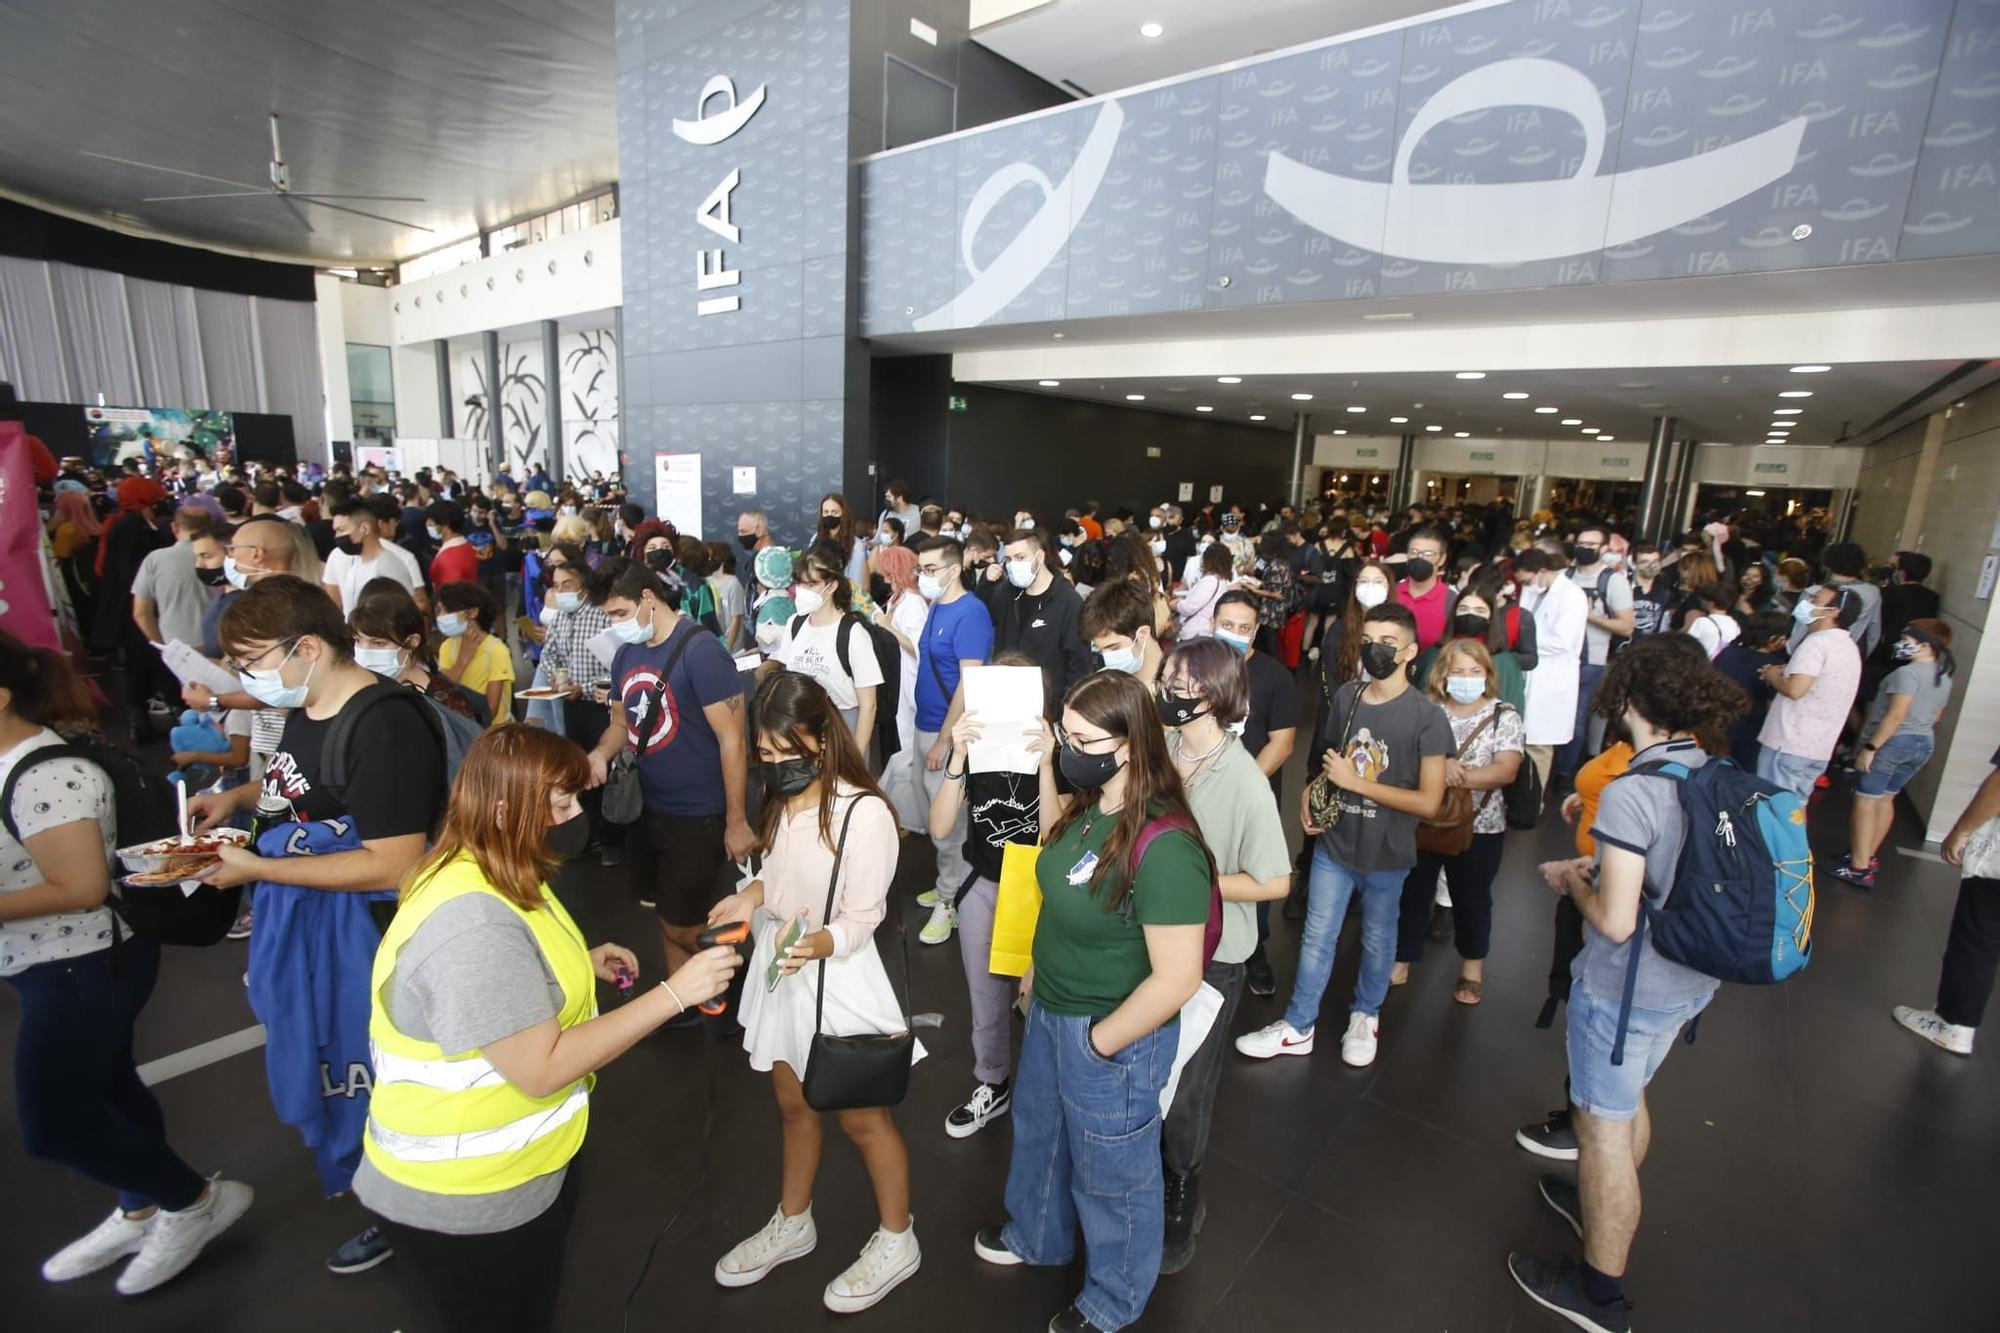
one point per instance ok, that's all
(1561, 620)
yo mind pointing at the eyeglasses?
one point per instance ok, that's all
(251, 665)
(1068, 738)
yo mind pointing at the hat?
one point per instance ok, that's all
(773, 567)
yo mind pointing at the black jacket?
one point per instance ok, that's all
(1045, 628)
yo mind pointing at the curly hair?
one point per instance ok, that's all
(1668, 680)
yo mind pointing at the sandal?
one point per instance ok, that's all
(1468, 991)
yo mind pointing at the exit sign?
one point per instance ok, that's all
(1482, 455)
(1774, 469)
(957, 403)
(1620, 461)
(1367, 453)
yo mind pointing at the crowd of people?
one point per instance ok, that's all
(748, 731)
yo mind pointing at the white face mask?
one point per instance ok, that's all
(1371, 594)
(1027, 524)
(549, 614)
(381, 661)
(808, 600)
(1021, 573)
(452, 624)
(1155, 521)
(1157, 546)
(930, 586)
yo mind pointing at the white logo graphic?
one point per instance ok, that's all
(708, 129)
(1512, 223)
(1039, 241)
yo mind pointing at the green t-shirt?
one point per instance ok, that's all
(1087, 959)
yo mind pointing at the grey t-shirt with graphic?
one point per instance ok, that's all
(1387, 744)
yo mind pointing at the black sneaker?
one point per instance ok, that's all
(1563, 1196)
(987, 1102)
(1257, 975)
(1071, 1320)
(1186, 1210)
(1440, 928)
(613, 854)
(360, 1253)
(1559, 1287)
(988, 1245)
(1553, 1138)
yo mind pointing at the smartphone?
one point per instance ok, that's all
(793, 932)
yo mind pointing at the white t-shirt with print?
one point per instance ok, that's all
(815, 651)
(51, 794)
(350, 573)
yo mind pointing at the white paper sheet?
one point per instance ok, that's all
(604, 647)
(194, 669)
(1008, 703)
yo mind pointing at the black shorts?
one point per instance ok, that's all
(677, 861)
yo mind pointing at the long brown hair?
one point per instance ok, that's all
(1347, 660)
(46, 689)
(823, 562)
(843, 531)
(791, 708)
(1122, 707)
(499, 811)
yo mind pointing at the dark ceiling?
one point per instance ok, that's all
(488, 110)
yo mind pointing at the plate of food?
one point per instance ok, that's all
(154, 879)
(543, 692)
(171, 853)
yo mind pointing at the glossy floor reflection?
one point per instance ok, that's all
(1814, 1167)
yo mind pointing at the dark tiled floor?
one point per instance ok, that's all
(1814, 1168)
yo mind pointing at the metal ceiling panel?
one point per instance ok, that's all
(486, 111)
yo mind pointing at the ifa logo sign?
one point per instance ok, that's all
(711, 126)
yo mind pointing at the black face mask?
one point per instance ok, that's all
(347, 546)
(1379, 659)
(789, 777)
(879, 589)
(1420, 570)
(570, 837)
(828, 523)
(1471, 627)
(659, 561)
(1086, 772)
(1583, 556)
(747, 540)
(1177, 710)
(213, 578)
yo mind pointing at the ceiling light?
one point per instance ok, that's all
(1051, 384)
(1228, 379)
(1796, 393)
(1256, 416)
(1606, 439)
(1135, 397)
(1470, 375)
(1204, 409)
(1572, 421)
(1802, 370)
(1340, 432)
(1391, 315)
(1357, 409)
(1634, 384)
(1786, 411)
(1397, 421)
(1590, 430)
(1150, 30)
(1461, 434)
(1516, 395)
(1546, 411)
(1434, 428)
(1302, 398)
(1756, 493)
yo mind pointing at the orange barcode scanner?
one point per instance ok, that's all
(735, 932)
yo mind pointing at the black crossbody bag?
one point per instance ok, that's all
(854, 1073)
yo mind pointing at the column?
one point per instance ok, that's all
(1660, 461)
(552, 398)
(496, 446)
(1301, 445)
(447, 415)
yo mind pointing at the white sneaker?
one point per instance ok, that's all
(1924, 1022)
(782, 1240)
(944, 920)
(177, 1238)
(1357, 1048)
(1279, 1038)
(928, 898)
(886, 1260)
(111, 1240)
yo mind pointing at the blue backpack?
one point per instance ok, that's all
(1741, 908)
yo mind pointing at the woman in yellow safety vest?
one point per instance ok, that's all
(486, 1038)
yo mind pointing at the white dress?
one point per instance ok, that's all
(778, 1024)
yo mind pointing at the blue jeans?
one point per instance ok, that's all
(1087, 1154)
(1569, 755)
(1894, 764)
(1794, 774)
(1326, 908)
(1605, 1090)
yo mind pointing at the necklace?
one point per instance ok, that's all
(1191, 762)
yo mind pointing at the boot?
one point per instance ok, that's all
(1185, 1213)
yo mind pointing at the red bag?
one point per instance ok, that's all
(1290, 638)
(1212, 934)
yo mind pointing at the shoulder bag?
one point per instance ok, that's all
(854, 1073)
(1449, 831)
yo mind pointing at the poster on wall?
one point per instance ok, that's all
(385, 456)
(159, 434)
(25, 610)
(677, 491)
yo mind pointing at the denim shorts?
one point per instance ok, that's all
(1605, 1090)
(1894, 764)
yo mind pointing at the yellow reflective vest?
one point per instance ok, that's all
(451, 1124)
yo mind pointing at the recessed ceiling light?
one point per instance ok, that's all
(1256, 416)
(1228, 379)
(1150, 30)
(1397, 421)
(1810, 370)
(1341, 431)
(1357, 409)
(1470, 375)
(1572, 421)
(1516, 395)
(1050, 384)
(1590, 430)
(1302, 398)
(1059, 336)
(1204, 409)
(1390, 315)
(1796, 393)
(1461, 434)
(1606, 439)
(1135, 397)
(1434, 428)
(1786, 411)
(1546, 411)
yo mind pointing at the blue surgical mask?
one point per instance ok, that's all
(1806, 610)
(437, 533)
(381, 661)
(930, 586)
(451, 624)
(269, 688)
(629, 630)
(1465, 689)
(568, 601)
(1128, 660)
(234, 572)
(1241, 643)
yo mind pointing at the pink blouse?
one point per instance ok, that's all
(800, 861)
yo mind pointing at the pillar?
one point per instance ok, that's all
(447, 414)
(552, 398)
(1301, 447)
(496, 440)
(1660, 461)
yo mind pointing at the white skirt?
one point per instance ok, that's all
(778, 1024)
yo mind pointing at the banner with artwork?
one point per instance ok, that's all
(159, 434)
(25, 609)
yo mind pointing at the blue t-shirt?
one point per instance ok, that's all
(955, 631)
(680, 760)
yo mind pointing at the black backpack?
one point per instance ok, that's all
(143, 802)
(889, 658)
(453, 733)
